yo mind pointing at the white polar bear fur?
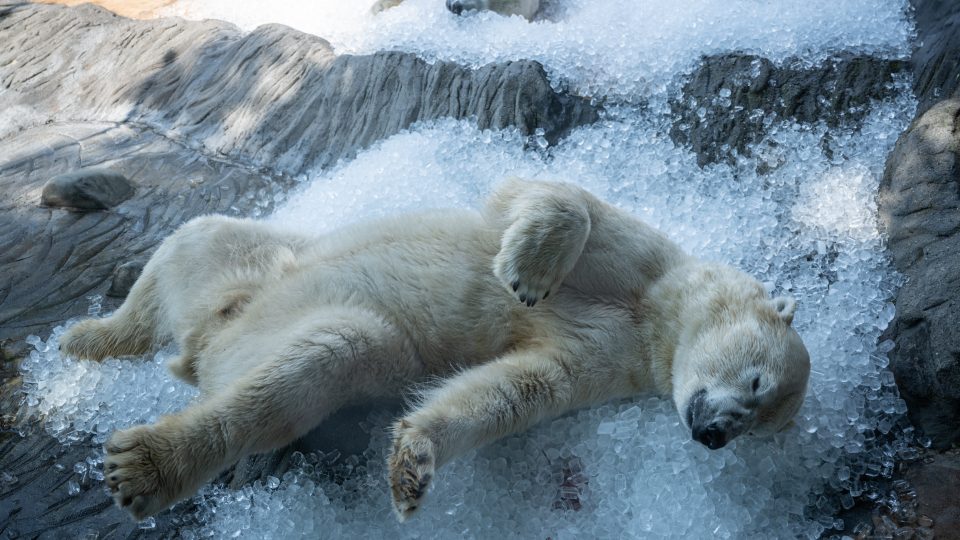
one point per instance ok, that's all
(547, 300)
(524, 8)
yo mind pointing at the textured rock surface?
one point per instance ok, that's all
(274, 97)
(730, 101)
(936, 59)
(920, 208)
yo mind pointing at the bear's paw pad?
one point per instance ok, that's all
(411, 468)
(134, 471)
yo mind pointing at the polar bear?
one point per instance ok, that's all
(525, 8)
(546, 300)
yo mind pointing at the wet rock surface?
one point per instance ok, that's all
(731, 101)
(276, 97)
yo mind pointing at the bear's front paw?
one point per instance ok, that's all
(411, 468)
(534, 258)
(140, 470)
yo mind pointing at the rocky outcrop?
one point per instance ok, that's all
(273, 97)
(920, 208)
(731, 100)
(919, 203)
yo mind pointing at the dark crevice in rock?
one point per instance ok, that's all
(731, 100)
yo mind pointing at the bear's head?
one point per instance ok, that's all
(743, 372)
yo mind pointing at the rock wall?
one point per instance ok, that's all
(919, 203)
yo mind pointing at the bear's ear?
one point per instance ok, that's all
(785, 307)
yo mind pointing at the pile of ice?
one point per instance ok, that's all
(807, 228)
(602, 48)
(78, 399)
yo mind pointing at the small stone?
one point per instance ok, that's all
(124, 276)
(87, 189)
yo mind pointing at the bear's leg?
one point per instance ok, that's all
(350, 355)
(472, 409)
(129, 331)
(548, 228)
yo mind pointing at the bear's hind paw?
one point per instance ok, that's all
(411, 469)
(134, 468)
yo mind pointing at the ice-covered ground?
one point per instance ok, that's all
(625, 469)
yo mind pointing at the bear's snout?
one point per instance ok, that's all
(712, 436)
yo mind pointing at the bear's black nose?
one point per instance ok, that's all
(712, 436)
(455, 6)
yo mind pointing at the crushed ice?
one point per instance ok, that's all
(624, 469)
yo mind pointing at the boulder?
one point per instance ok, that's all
(730, 101)
(919, 204)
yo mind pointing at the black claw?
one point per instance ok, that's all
(546, 294)
(516, 285)
(111, 467)
(523, 298)
(532, 303)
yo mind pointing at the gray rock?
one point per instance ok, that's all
(123, 278)
(86, 189)
(936, 59)
(273, 97)
(729, 102)
(919, 203)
